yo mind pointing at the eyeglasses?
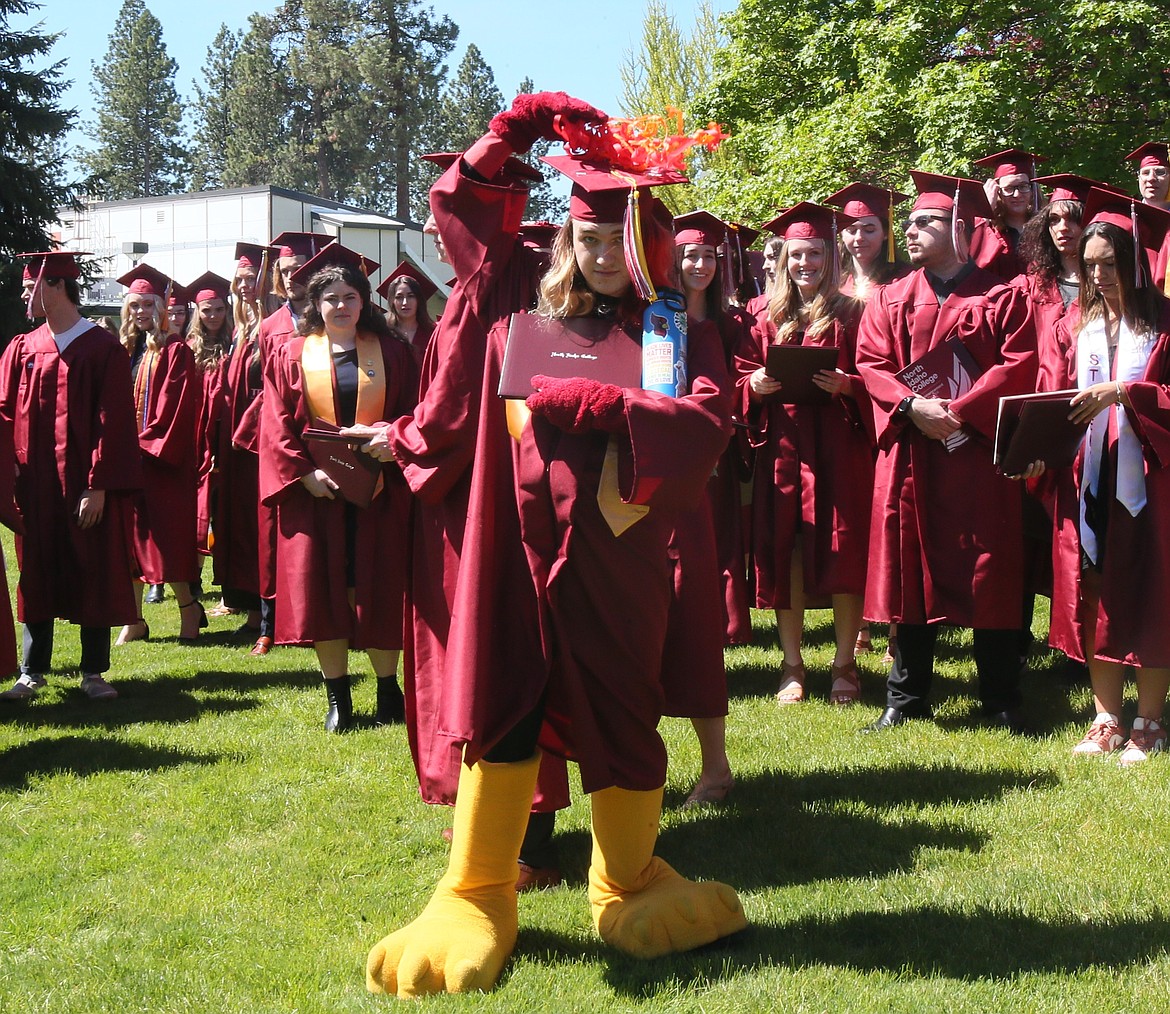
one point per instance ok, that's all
(923, 221)
(1017, 190)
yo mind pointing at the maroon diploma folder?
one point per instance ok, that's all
(795, 366)
(576, 347)
(354, 471)
(1036, 427)
(946, 371)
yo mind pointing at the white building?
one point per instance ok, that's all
(184, 235)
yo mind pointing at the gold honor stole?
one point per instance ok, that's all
(143, 382)
(317, 371)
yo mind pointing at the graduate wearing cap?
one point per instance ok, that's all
(340, 569)
(67, 424)
(813, 469)
(562, 599)
(250, 286)
(869, 254)
(168, 397)
(407, 290)
(1012, 196)
(1110, 560)
(1153, 176)
(946, 538)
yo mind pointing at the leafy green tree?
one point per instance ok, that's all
(819, 93)
(138, 152)
(212, 111)
(32, 184)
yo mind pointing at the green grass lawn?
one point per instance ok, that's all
(201, 845)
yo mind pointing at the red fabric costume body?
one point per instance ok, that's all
(813, 477)
(547, 602)
(311, 587)
(72, 421)
(945, 540)
(166, 512)
(1135, 580)
(992, 250)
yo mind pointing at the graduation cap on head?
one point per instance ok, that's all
(300, 244)
(406, 270)
(253, 255)
(517, 167)
(1010, 162)
(1147, 224)
(809, 221)
(337, 254)
(143, 280)
(1069, 187)
(52, 264)
(739, 267)
(1150, 153)
(965, 199)
(699, 227)
(209, 285)
(178, 295)
(862, 200)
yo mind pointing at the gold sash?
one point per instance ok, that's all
(317, 371)
(143, 382)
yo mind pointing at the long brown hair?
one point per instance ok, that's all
(1140, 308)
(129, 332)
(209, 349)
(370, 319)
(787, 309)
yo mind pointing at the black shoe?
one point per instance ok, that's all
(892, 717)
(1009, 719)
(340, 715)
(391, 708)
(156, 593)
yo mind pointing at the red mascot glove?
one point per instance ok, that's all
(531, 118)
(577, 405)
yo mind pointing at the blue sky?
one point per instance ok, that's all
(584, 62)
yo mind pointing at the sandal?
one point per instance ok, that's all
(218, 612)
(189, 639)
(846, 687)
(791, 684)
(864, 644)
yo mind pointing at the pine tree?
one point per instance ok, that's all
(137, 133)
(212, 111)
(469, 102)
(31, 123)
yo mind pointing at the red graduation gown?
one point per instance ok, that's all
(946, 539)
(165, 515)
(813, 477)
(1130, 621)
(214, 378)
(72, 419)
(312, 602)
(545, 600)
(992, 250)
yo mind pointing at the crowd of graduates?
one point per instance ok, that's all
(562, 568)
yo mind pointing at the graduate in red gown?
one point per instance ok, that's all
(814, 463)
(340, 568)
(168, 398)
(67, 427)
(869, 255)
(407, 290)
(1110, 558)
(1013, 197)
(1153, 180)
(946, 541)
(563, 587)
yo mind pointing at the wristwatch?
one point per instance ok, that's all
(903, 408)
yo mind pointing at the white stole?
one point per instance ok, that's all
(1133, 352)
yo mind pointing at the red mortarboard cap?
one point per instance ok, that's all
(804, 221)
(407, 270)
(935, 191)
(517, 167)
(1010, 162)
(252, 255)
(601, 190)
(300, 244)
(209, 285)
(538, 235)
(1124, 211)
(1150, 153)
(178, 295)
(146, 280)
(747, 235)
(859, 200)
(56, 264)
(334, 253)
(1067, 186)
(699, 227)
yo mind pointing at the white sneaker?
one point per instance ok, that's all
(97, 689)
(1146, 737)
(26, 686)
(1104, 736)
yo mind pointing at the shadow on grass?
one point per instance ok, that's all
(87, 756)
(920, 943)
